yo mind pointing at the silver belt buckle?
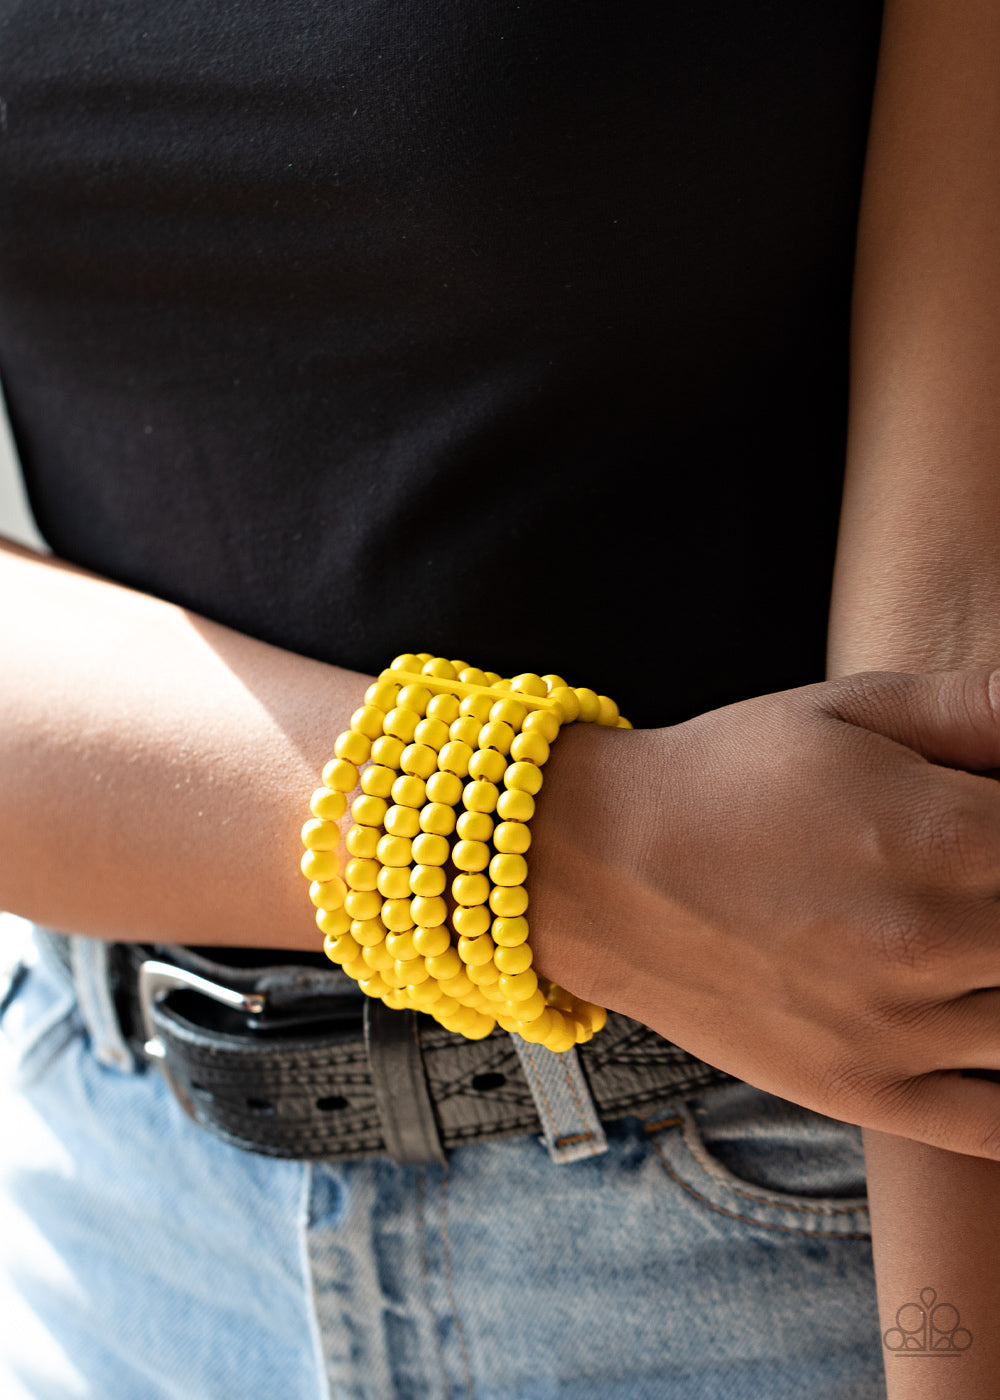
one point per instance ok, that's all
(156, 981)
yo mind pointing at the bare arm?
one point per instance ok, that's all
(918, 575)
(155, 768)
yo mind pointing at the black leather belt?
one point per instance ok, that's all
(284, 1058)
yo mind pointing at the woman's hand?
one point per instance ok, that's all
(801, 889)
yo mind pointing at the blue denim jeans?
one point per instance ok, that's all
(718, 1250)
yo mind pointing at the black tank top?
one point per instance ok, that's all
(512, 330)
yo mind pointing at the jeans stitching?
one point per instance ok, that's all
(749, 1219)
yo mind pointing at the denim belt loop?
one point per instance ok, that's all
(571, 1128)
(90, 962)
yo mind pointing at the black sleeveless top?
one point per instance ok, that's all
(513, 330)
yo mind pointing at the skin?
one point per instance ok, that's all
(918, 572)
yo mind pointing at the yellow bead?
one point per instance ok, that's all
(527, 683)
(362, 874)
(426, 992)
(363, 841)
(431, 942)
(509, 711)
(466, 730)
(542, 722)
(475, 826)
(334, 922)
(341, 775)
(508, 870)
(472, 676)
(419, 759)
(510, 932)
(396, 1001)
(458, 986)
(514, 806)
(377, 781)
(484, 975)
(391, 978)
(472, 921)
(411, 971)
(402, 821)
(373, 986)
(382, 695)
(368, 932)
(367, 721)
(354, 747)
(496, 735)
(409, 791)
(328, 804)
(368, 810)
(433, 733)
(401, 945)
(408, 661)
(377, 956)
(437, 819)
(387, 751)
(476, 951)
(363, 904)
(596, 1016)
(518, 986)
(340, 947)
(454, 757)
(492, 679)
(590, 705)
(529, 747)
(489, 764)
(533, 1011)
(509, 902)
(470, 889)
(512, 960)
(430, 849)
(483, 1027)
(439, 667)
(428, 913)
(470, 855)
(444, 788)
(622, 723)
(523, 777)
(394, 882)
(444, 965)
(512, 838)
(443, 708)
(414, 697)
(607, 711)
(319, 835)
(396, 915)
(481, 796)
(395, 850)
(328, 894)
(320, 865)
(428, 880)
(568, 703)
(401, 723)
(560, 998)
(477, 706)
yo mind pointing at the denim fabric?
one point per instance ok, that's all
(719, 1250)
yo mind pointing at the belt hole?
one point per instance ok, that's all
(484, 1082)
(332, 1103)
(260, 1105)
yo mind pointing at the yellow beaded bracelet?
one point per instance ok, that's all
(450, 761)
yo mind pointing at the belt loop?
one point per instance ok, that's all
(90, 959)
(571, 1128)
(409, 1128)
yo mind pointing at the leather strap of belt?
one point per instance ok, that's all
(299, 1080)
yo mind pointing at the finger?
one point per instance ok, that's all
(949, 717)
(964, 1033)
(957, 1112)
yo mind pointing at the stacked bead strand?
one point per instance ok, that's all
(450, 761)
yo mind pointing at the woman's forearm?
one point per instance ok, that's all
(155, 767)
(918, 576)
